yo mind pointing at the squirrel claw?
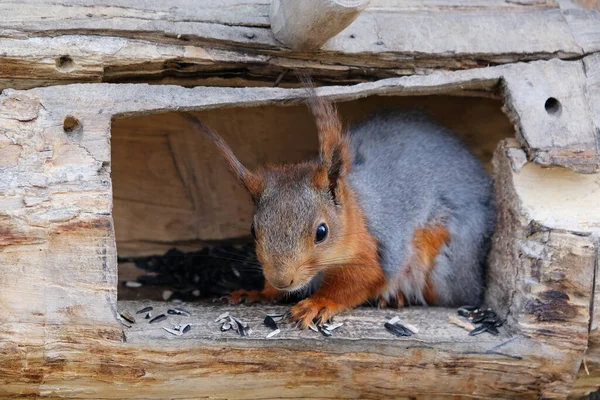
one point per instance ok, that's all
(306, 311)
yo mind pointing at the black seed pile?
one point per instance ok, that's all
(489, 320)
(207, 273)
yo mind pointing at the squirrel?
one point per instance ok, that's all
(394, 210)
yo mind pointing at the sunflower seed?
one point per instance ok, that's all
(242, 328)
(463, 312)
(490, 328)
(478, 319)
(122, 321)
(158, 318)
(178, 311)
(127, 317)
(480, 329)
(225, 327)
(270, 322)
(333, 327)
(144, 310)
(173, 331)
(463, 324)
(132, 284)
(222, 316)
(275, 332)
(397, 329)
(411, 328)
(186, 328)
(324, 332)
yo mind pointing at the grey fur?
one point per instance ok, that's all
(408, 172)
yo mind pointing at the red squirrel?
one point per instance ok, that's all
(395, 210)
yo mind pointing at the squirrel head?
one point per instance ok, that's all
(299, 219)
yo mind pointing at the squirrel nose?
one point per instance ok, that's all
(282, 283)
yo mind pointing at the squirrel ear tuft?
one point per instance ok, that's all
(253, 182)
(333, 151)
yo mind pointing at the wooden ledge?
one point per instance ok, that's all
(363, 328)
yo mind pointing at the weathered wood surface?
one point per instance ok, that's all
(567, 137)
(362, 326)
(57, 245)
(46, 43)
(307, 25)
(169, 186)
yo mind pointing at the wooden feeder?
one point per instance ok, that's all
(91, 139)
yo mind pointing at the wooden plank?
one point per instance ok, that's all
(361, 326)
(583, 17)
(565, 138)
(146, 41)
(58, 245)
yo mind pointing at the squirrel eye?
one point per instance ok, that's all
(253, 231)
(321, 233)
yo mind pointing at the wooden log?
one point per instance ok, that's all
(58, 245)
(307, 25)
(211, 45)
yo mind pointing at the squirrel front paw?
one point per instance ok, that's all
(308, 309)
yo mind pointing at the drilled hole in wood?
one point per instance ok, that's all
(64, 64)
(553, 106)
(71, 124)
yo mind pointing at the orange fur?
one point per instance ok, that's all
(427, 243)
(268, 295)
(352, 283)
(398, 302)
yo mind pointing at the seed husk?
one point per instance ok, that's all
(132, 284)
(490, 328)
(186, 328)
(148, 316)
(270, 322)
(397, 329)
(242, 328)
(226, 326)
(275, 332)
(222, 316)
(463, 324)
(127, 317)
(463, 312)
(123, 322)
(333, 327)
(144, 310)
(479, 330)
(173, 331)
(158, 318)
(313, 327)
(324, 331)
(411, 328)
(178, 311)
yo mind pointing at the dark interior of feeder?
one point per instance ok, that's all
(183, 224)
